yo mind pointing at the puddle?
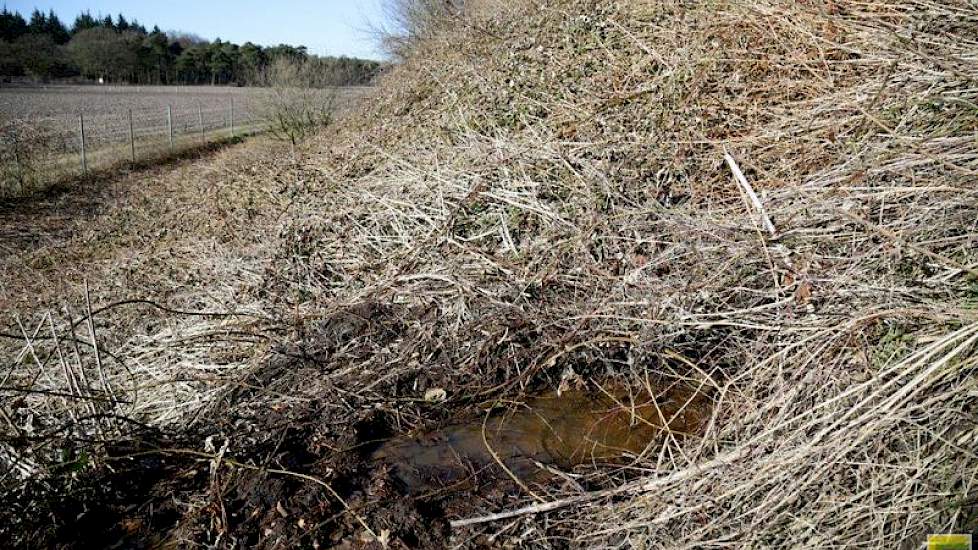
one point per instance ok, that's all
(573, 429)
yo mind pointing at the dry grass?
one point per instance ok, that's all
(544, 189)
(26, 151)
(569, 171)
(93, 352)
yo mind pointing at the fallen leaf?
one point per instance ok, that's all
(435, 395)
(803, 294)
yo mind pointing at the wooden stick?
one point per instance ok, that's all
(98, 356)
(132, 139)
(81, 136)
(200, 121)
(169, 124)
(636, 487)
(739, 175)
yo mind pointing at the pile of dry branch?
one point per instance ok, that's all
(772, 200)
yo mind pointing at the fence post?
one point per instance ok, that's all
(232, 116)
(16, 149)
(132, 139)
(169, 124)
(200, 120)
(81, 133)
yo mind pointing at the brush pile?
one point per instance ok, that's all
(556, 184)
(772, 201)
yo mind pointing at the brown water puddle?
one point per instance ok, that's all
(576, 428)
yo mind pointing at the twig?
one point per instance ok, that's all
(631, 488)
(98, 356)
(739, 175)
(884, 232)
(501, 464)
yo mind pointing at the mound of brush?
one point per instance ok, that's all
(771, 201)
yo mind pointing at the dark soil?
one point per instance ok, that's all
(336, 471)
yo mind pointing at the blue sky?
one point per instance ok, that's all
(326, 27)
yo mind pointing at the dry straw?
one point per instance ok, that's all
(545, 187)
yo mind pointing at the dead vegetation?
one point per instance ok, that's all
(299, 98)
(771, 201)
(24, 150)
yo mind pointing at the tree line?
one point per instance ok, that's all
(122, 51)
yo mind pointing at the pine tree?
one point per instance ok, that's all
(84, 21)
(38, 24)
(56, 29)
(12, 25)
(122, 50)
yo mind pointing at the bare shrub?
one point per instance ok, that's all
(412, 24)
(411, 21)
(24, 147)
(300, 98)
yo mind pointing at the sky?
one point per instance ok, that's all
(326, 27)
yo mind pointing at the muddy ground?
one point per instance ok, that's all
(342, 471)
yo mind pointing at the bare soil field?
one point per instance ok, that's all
(124, 124)
(55, 101)
(106, 111)
(108, 106)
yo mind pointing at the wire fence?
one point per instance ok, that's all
(75, 144)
